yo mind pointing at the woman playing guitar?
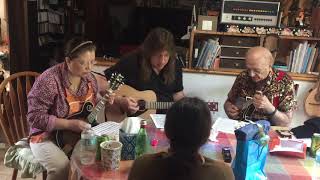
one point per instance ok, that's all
(56, 94)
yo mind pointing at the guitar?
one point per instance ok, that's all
(312, 101)
(147, 102)
(246, 107)
(66, 139)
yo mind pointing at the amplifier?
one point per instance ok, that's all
(246, 12)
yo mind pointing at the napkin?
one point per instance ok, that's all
(131, 125)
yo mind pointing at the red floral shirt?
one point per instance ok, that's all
(278, 87)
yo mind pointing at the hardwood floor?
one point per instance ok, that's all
(6, 173)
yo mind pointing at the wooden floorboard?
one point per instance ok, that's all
(5, 173)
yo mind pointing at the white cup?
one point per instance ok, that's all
(111, 154)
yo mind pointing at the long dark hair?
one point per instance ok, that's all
(76, 46)
(188, 124)
(158, 39)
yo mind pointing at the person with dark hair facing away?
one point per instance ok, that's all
(57, 93)
(188, 124)
(153, 66)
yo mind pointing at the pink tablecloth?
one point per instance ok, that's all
(277, 167)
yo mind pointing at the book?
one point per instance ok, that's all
(314, 52)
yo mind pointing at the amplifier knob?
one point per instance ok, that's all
(239, 42)
(237, 52)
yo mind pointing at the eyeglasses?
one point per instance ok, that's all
(85, 62)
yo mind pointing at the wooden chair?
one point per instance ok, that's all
(13, 119)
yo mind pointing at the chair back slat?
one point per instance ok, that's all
(6, 126)
(22, 107)
(9, 119)
(29, 83)
(13, 114)
(15, 110)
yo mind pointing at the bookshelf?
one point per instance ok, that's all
(221, 71)
(240, 44)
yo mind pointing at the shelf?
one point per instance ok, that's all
(234, 72)
(300, 38)
(229, 71)
(201, 32)
(100, 61)
(221, 71)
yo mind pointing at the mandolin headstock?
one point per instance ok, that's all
(115, 81)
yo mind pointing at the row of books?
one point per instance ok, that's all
(304, 58)
(53, 17)
(50, 28)
(206, 55)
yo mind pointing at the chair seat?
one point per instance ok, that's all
(21, 157)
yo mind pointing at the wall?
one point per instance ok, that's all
(4, 25)
(211, 87)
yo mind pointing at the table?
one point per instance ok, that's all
(277, 167)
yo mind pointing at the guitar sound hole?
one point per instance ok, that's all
(317, 97)
(142, 105)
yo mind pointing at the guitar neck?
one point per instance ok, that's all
(92, 116)
(213, 106)
(158, 105)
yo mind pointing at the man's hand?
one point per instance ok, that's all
(261, 102)
(231, 110)
(129, 105)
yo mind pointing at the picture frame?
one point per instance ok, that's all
(207, 23)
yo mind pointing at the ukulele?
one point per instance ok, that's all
(312, 101)
(147, 102)
(246, 107)
(66, 139)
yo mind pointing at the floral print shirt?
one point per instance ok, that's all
(278, 87)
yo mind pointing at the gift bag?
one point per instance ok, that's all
(252, 149)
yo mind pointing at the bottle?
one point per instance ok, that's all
(315, 144)
(142, 141)
(88, 147)
(317, 158)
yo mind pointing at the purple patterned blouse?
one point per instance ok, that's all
(47, 97)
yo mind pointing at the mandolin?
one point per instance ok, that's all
(147, 102)
(67, 139)
(312, 101)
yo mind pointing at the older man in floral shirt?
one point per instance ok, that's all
(261, 92)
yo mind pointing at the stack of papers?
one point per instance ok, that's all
(107, 128)
(224, 125)
(158, 120)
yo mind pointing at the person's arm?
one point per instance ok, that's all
(231, 110)
(276, 116)
(280, 118)
(127, 105)
(178, 95)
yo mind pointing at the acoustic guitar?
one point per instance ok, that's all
(147, 102)
(312, 101)
(67, 139)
